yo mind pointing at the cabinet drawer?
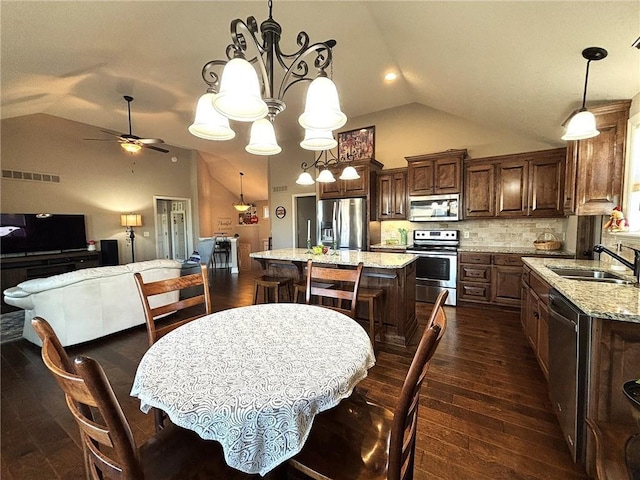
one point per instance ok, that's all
(475, 273)
(540, 287)
(474, 292)
(507, 259)
(481, 258)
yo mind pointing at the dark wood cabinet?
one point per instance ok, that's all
(489, 278)
(595, 166)
(347, 188)
(535, 316)
(520, 185)
(435, 173)
(506, 277)
(479, 190)
(392, 194)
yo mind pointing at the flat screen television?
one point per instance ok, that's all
(30, 233)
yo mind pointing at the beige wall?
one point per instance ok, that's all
(412, 129)
(96, 178)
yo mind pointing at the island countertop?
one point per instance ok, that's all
(602, 300)
(343, 257)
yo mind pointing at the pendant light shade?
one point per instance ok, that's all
(263, 139)
(325, 176)
(305, 178)
(349, 173)
(583, 124)
(322, 107)
(241, 207)
(209, 123)
(239, 97)
(318, 140)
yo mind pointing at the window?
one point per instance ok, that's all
(632, 210)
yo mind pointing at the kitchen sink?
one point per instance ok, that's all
(589, 275)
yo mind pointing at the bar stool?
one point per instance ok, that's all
(372, 296)
(222, 248)
(272, 284)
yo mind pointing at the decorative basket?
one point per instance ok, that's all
(542, 242)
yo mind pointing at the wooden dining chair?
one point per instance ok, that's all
(185, 306)
(360, 439)
(109, 449)
(341, 291)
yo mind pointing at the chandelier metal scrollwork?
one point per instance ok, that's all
(236, 92)
(323, 162)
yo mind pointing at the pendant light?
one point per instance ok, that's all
(241, 207)
(326, 176)
(208, 123)
(583, 124)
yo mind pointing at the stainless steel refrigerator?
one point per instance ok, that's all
(346, 218)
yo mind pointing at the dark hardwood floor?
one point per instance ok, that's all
(484, 411)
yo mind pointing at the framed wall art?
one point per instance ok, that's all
(357, 144)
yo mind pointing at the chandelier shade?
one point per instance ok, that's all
(349, 173)
(248, 88)
(239, 97)
(263, 139)
(209, 123)
(325, 176)
(318, 140)
(322, 107)
(583, 124)
(305, 178)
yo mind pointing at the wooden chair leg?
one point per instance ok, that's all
(372, 322)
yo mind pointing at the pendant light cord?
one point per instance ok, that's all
(584, 94)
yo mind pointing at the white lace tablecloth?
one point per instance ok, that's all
(253, 378)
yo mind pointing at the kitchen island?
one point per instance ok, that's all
(394, 273)
(612, 353)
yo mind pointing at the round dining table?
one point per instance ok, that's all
(253, 378)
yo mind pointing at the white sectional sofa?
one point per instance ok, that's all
(91, 303)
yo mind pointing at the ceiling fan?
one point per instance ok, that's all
(128, 141)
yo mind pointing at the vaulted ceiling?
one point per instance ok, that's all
(509, 65)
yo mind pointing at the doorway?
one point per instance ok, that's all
(305, 219)
(173, 228)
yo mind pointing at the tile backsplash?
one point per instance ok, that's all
(516, 233)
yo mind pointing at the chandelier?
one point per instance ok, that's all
(326, 176)
(246, 89)
(583, 124)
(241, 207)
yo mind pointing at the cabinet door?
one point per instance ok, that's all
(546, 186)
(512, 188)
(447, 176)
(506, 283)
(421, 177)
(385, 197)
(600, 161)
(479, 198)
(399, 194)
(532, 319)
(542, 346)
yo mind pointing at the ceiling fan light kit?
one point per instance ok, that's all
(239, 81)
(583, 124)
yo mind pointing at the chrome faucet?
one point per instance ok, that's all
(635, 266)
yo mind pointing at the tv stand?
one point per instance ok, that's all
(14, 270)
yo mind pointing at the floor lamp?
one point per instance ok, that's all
(131, 220)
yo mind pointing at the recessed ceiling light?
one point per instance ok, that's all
(390, 76)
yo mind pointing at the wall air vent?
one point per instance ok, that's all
(282, 188)
(30, 176)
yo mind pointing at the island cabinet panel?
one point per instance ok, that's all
(490, 278)
(535, 316)
(435, 173)
(519, 185)
(595, 166)
(392, 194)
(480, 192)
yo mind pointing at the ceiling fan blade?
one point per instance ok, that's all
(111, 133)
(163, 150)
(147, 141)
(101, 139)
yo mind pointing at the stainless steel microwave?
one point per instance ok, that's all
(434, 208)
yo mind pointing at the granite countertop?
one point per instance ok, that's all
(344, 257)
(529, 251)
(383, 246)
(602, 300)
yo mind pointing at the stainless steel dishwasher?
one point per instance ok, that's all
(569, 344)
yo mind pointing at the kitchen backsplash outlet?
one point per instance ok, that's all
(514, 233)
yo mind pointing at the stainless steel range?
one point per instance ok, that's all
(437, 265)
